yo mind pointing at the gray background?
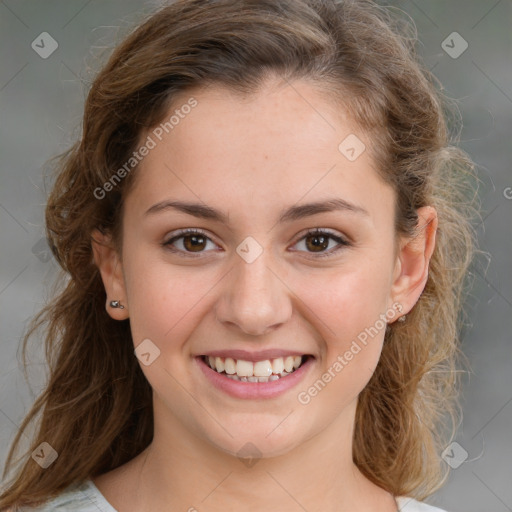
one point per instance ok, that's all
(40, 112)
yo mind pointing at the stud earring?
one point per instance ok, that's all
(116, 304)
(402, 318)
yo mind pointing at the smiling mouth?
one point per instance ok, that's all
(259, 371)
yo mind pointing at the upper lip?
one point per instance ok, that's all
(262, 355)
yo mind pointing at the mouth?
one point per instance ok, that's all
(264, 379)
(255, 371)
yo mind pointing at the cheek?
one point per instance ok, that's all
(348, 310)
(166, 302)
(346, 301)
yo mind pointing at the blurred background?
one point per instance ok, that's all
(49, 53)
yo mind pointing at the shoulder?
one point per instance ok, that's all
(78, 497)
(406, 504)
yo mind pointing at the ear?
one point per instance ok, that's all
(109, 264)
(411, 269)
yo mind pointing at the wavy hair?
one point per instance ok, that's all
(96, 407)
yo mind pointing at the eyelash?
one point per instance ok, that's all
(312, 232)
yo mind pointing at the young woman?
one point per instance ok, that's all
(265, 229)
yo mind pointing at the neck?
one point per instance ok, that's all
(180, 470)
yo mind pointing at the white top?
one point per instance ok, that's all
(86, 497)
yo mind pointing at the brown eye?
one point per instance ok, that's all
(317, 243)
(318, 240)
(190, 240)
(194, 242)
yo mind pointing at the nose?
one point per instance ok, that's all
(254, 297)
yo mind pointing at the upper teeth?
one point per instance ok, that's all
(265, 368)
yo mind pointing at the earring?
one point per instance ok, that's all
(116, 304)
(402, 318)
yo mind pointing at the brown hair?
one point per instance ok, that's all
(96, 408)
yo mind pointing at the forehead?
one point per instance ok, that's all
(273, 147)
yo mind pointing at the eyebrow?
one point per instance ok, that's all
(292, 213)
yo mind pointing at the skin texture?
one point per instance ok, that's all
(252, 158)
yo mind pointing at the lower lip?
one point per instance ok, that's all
(255, 390)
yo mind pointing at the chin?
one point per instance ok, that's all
(262, 440)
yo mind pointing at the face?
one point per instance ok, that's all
(250, 283)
